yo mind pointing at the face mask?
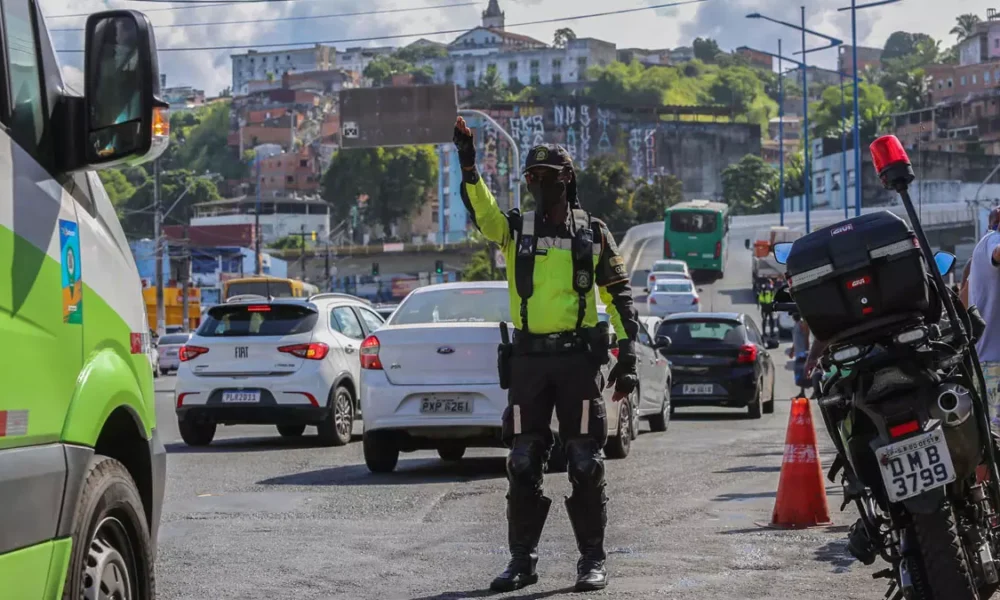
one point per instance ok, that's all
(548, 193)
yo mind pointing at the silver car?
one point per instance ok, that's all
(669, 296)
(169, 347)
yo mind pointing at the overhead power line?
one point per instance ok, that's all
(302, 18)
(409, 35)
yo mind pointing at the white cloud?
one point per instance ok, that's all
(723, 20)
(73, 78)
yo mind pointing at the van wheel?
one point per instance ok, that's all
(381, 451)
(619, 445)
(336, 428)
(291, 430)
(196, 433)
(112, 554)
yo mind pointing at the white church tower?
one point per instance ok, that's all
(492, 17)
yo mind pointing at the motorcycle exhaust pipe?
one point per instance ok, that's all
(954, 408)
(954, 405)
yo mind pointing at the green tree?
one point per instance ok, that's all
(395, 181)
(650, 200)
(874, 110)
(603, 188)
(737, 87)
(706, 49)
(901, 44)
(563, 36)
(415, 53)
(291, 242)
(490, 90)
(794, 175)
(965, 25)
(116, 185)
(137, 212)
(204, 147)
(480, 267)
(750, 186)
(912, 91)
(381, 70)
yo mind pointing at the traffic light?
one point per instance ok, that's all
(314, 236)
(374, 269)
(439, 266)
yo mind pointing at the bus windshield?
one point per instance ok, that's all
(693, 222)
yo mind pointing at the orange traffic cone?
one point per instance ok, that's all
(801, 500)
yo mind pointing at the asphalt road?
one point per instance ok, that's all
(256, 516)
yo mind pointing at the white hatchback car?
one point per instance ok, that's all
(669, 296)
(289, 362)
(429, 378)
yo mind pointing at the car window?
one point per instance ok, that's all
(703, 333)
(257, 320)
(173, 340)
(454, 305)
(344, 320)
(753, 333)
(372, 320)
(673, 287)
(27, 119)
(644, 336)
(668, 267)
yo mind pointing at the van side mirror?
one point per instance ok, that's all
(124, 120)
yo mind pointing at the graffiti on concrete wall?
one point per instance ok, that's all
(650, 146)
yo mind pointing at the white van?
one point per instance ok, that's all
(81, 466)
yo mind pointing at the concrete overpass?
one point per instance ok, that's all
(949, 227)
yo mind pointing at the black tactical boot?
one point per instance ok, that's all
(589, 519)
(524, 528)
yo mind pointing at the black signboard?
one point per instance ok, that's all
(397, 116)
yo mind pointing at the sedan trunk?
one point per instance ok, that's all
(440, 353)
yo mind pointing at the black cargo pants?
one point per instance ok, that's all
(571, 385)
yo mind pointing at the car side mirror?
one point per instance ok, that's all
(662, 342)
(747, 244)
(771, 343)
(124, 120)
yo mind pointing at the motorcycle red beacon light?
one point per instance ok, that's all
(891, 163)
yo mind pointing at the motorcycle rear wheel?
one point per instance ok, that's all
(946, 568)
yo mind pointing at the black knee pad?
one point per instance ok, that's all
(586, 466)
(524, 462)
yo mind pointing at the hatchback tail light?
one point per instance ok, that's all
(652, 300)
(315, 351)
(187, 352)
(718, 249)
(695, 301)
(747, 355)
(666, 249)
(369, 354)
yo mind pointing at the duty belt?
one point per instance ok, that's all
(553, 343)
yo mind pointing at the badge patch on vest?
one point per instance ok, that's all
(582, 279)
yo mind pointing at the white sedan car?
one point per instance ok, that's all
(669, 296)
(429, 377)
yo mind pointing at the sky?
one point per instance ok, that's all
(723, 20)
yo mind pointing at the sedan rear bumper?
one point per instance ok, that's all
(737, 392)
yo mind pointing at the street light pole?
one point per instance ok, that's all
(256, 216)
(843, 141)
(807, 172)
(161, 319)
(515, 181)
(781, 138)
(857, 118)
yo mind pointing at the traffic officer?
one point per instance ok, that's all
(767, 308)
(555, 256)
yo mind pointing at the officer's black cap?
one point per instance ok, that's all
(548, 155)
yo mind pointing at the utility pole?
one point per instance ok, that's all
(326, 267)
(256, 219)
(302, 256)
(186, 276)
(161, 325)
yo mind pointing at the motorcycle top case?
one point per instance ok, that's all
(856, 270)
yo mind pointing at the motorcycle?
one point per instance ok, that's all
(904, 402)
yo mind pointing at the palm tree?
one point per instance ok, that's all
(491, 89)
(562, 37)
(966, 25)
(913, 90)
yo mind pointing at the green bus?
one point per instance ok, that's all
(695, 232)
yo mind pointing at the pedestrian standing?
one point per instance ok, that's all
(984, 293)
(555, 256)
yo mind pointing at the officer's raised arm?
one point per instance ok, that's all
(478, 199)
(616, 293)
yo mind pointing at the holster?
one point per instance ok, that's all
(599, 341)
